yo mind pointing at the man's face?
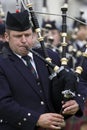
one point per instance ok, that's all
(19, 41)
(56, 36)
(82, 33)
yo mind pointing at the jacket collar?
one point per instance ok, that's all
(27, 75)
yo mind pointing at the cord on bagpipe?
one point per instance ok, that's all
(63, 81)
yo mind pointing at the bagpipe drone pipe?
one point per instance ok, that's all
(64, 82)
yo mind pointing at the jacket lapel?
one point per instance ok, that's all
(24, 71)
(27, 75)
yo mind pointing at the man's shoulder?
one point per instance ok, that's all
(48, 51)
(53, 55)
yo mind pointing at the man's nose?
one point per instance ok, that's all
(23, 39)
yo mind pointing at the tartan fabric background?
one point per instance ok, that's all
(75, 123)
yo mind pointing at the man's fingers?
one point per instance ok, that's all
(55, 127)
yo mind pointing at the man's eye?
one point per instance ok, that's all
(27, 35)
(18, 36)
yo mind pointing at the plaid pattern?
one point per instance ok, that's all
(70, 123)
(75, 123)
(30, 66)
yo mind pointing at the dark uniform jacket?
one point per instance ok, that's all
(22, 99)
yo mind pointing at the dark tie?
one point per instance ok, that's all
(29, 65)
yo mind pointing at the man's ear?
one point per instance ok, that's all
(6, 37)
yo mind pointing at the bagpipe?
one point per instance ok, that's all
(64, 82)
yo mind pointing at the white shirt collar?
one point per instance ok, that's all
(29, 54)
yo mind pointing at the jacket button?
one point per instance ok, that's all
(19, 123)
(42, 103)
(79, 95)
(40, 91)
(24, 119)
(29, 114)
(38, 83)
(1, 121)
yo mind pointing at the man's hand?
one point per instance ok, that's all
(70, 107)
(51, 121)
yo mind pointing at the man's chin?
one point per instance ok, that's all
(23, 52)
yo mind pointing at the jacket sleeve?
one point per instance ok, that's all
(11, 112)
